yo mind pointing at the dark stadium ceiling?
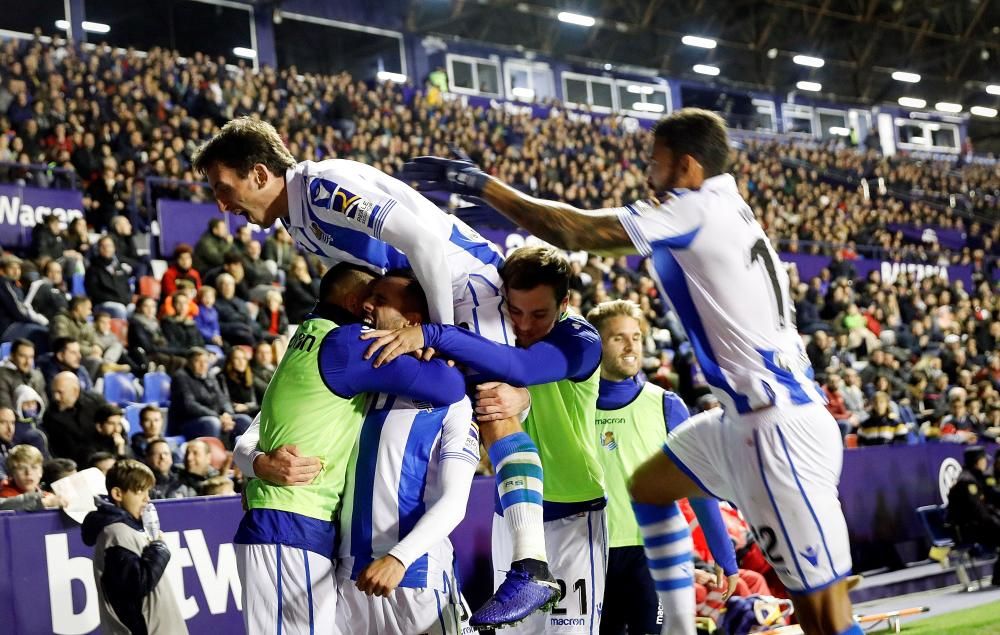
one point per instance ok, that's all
(954, 45)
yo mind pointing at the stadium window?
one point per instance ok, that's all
(642, 99)
(797, 119)
(528, 80)
(588, 90)
(473, 75)
(832, 124)
(23, 17)
(928, 136)
(320, 45)
(187, 26)
(765, 117)
(860, 120)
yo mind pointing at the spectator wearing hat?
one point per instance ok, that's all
(974, 506)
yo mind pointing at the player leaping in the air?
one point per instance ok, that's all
(774, 450)
(345, 211)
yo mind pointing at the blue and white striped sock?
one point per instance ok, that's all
(669, 553)
(519, 483)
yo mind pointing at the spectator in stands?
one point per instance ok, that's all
(114, 352)
(882, 427)
(847, 421)
(212, 247)
(180, 269)
(820, 351)
(8, 423)
(125, 246)
(107, 196)
(160, 459)
(241, 240)
(17, 319)
(86, 158)
(56, 469)
(235, 320)
(854, 396)
(258, 273)
(301, 291)
(29, 409)
(146, 341)
(197, 468)
(218, 486)
(19, 369)
(48, 295)
(239, 382)
(22, 490)
(263, 367)
(67, 356)
(272, 318)
(957, 425)
(151, 427)
(279, 248)
(75, 323)
(233, 265)
(47, 240)
(207, 319)
(69, 421)
(974, 506)
(107, 279)
(180, 330)
(77, 236)
(198, 406)
(109, 433)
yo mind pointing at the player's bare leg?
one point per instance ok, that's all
(529, 585)
(826, 612)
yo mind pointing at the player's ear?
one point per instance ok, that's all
(260, 174)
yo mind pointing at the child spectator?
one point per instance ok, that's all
(22, 490)
(207, 319)
(128, 564)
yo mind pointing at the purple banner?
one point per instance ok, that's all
(21, 208)
(810, 266)
(944, 236)
(184, 222)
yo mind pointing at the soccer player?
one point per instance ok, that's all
(633, 417)
(314, 407)
(345, 211)
(557, 358)
(773, 449)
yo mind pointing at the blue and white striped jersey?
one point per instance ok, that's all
(715, 264)
(345, 211)
(395, 478)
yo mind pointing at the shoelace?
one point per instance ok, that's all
(507, 589)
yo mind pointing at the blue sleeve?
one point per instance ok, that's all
(572, 350)
(347, 373)
(675, 412)
(716, 535)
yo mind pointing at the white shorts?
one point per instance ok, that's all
(482, 308)
(781, 468)
(406, 611)
(287, 590)
(577, 549)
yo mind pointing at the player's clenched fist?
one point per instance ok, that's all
(381, 577)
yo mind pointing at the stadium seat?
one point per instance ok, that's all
(156, 388)
(851, 441)
(120, 328)
(5, 350)
(76, 285)
(219, 453)
(934, 520)
(118, 388)
(132, 412)
(150, 286)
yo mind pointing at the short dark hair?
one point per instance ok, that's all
(241, 144)
(97, 457)
(149, 408)
(20, 343)
(55, 469)
(698, 133)
(414, 292)
(128, 475)
(232, 257)
(78, 300)
(196, 351)
(61, 343)
(105, 412)
(152, 442)
(528, 267)
(336, 277)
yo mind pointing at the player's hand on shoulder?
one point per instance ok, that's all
(381, 577)
(285, 466)
(391, 344)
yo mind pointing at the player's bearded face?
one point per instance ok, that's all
(621, 343)
(533, 312)
(664, 172)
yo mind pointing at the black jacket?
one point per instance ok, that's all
(973, 509)
(192, 397)
(72, 431)
(12, 307)
(106, 280)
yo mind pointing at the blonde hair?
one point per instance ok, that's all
(617, 308)
(26, 455)
(130, 476)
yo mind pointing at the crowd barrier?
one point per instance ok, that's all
(47, 584)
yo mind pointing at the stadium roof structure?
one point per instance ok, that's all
(953, 45)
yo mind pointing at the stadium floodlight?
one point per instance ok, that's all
(705, 69)
(647, 106)
(840, 131)
(576, 18)
(700, 42)
(244, 52)
(386, 76)
(812, 87)
(983, 111)
(522, 93)
(639, 90)
(912, 102)
(993, 89)
(947, 106)
(62, 25)
(808, 60)
(88, 26)
(903, 76)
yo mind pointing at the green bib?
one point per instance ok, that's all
(298, 408)
(628, 436)
(559, 422)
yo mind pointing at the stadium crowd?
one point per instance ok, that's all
(907, 360)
